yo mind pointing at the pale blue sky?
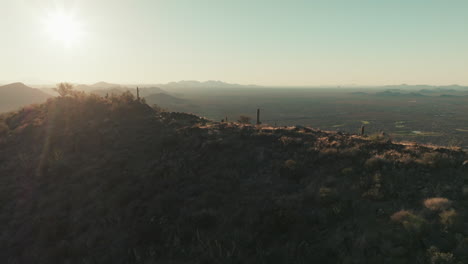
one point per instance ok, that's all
(293, 42)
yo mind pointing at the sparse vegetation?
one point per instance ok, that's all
(437, 257)
(244, 119)
(90, 179)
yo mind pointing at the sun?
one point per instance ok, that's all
(63, 27)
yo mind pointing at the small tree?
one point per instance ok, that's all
(64, 89)
(244, 119)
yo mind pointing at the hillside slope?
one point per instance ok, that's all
(15, 95)
(165, 100)
(92, 180)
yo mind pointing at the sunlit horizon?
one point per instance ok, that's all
(295, 43)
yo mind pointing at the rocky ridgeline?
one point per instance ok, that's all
(111, 180)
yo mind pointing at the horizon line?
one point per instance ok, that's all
(229, 83)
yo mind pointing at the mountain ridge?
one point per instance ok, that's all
(15, 95)
(112, 180)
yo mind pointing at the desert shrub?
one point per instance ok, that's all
(328, 152)
(290, 164)
(352, 152)
(292, 170)
(327, 195)
(377, 138)
(347, 171)
(285, 140)
(411, 222)
(406, 159)
(400, 216)
(435, 159)
(374, 163)
(448, 217)
(437, 204)
(3, 128)
(374, 191)
(244, 119)
(436, 257)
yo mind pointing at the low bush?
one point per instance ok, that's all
(437, 204)
(411, 222)
(436, 257)
(448, 218)
(4, 129)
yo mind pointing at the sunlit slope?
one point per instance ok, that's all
(91, 180)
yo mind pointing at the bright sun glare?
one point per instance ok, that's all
(64, 28)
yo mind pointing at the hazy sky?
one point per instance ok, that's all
(267, 42)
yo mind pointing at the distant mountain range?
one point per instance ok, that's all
(415, 91)
(97, 86)
(15, 95)
(170, 85)
(193, 84)
(427, 88)
(207, 84)
(398, 93)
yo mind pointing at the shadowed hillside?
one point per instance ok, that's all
(15, 95)
(86, 179)
(159, 98)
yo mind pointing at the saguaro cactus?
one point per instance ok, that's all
(362, 130)
(258, 117)
(138, 94)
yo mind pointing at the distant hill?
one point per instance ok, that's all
(199, 85)
(111, 180)
(427, 88)
(104, 85)
(109, 91)
(398, 92)
(359, 93)
(15, 95)
(97, 86)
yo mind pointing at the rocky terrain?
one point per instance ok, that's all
(86, 179)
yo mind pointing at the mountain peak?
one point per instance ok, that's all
(15, 95)
(105, 85)
(16, 85)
